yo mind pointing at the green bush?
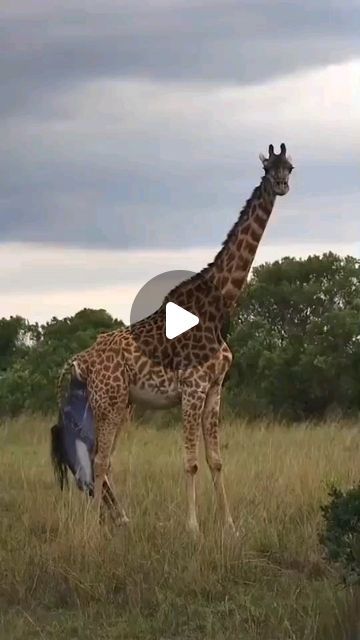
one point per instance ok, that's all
(295, 338)
(341, 537)
(34, 363)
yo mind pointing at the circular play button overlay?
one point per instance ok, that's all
(177, 319)
(152, 294)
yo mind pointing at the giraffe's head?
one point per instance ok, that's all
(277, 167)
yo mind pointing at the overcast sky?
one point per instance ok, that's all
(130, 134)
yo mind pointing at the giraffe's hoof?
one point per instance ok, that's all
(123, 521)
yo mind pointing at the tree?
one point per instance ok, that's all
(296, 338)
(29, 384)
(16, 337)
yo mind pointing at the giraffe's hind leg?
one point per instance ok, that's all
(111, 503)
(109, 499)
(109, 401)
(107, 427)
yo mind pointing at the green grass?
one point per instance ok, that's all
(58, 579)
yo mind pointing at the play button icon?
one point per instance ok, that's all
(170, 329)
(178, 320)
(151, 295)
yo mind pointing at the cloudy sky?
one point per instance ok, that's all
(130, 134)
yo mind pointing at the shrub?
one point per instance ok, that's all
(341, 537)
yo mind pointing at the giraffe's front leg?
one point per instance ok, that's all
(210, 427)
(192, 408)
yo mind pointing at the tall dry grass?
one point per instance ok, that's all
(58, 578)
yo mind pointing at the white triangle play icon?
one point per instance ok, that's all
(178, 320)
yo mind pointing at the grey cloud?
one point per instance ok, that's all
(49, 46)
(129, 209)
(58, 189)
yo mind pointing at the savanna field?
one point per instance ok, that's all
(59, 579)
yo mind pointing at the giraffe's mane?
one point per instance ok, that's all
(243, 217)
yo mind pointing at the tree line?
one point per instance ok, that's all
(295, 338)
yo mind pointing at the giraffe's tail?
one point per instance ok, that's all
(58, 456)
(57, 452)
(67, 369)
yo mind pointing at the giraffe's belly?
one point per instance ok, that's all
(155, 399)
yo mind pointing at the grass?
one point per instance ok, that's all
(58, 579)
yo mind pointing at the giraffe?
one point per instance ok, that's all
(139, 364)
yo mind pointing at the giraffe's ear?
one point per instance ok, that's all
(263, 160)
(289, 158)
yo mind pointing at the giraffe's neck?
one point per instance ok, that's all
(231, 266)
